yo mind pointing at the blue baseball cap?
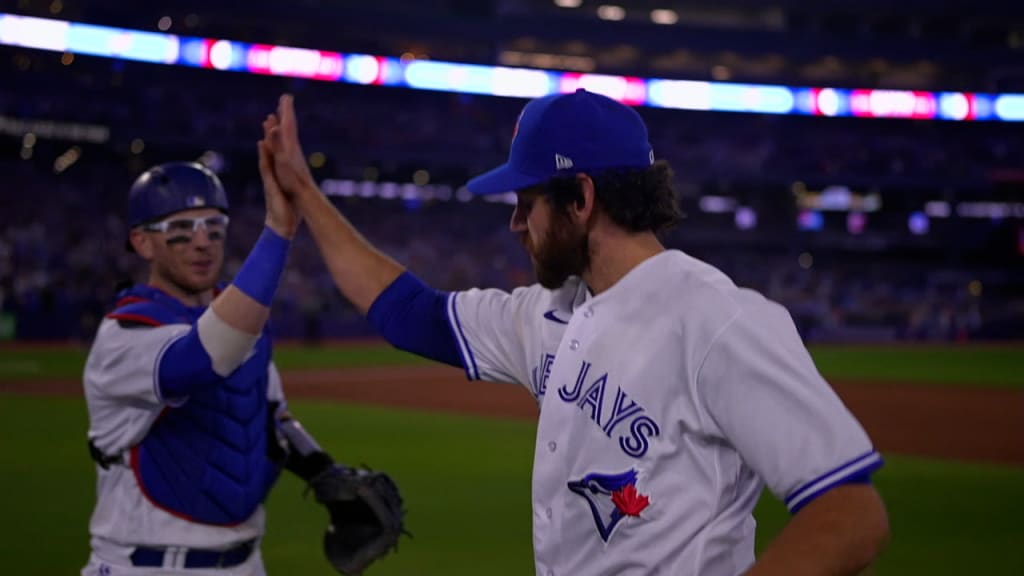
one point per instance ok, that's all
(174, 187)
(564, 134)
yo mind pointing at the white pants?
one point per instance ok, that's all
(97, 566)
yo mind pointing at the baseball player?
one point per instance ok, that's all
(187, 419)
(668, 396)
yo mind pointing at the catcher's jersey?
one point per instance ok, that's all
(124, 400)
(667, 403)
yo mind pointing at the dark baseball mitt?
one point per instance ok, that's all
(366, 516)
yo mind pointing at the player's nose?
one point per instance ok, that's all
(201, 239)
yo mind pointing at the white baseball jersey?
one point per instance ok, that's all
(667, 403)
(124, 400)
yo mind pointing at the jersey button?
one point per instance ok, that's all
(589, 312)
(550, 514)
(552, 446)
(575, 344)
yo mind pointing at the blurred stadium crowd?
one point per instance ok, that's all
(64, 189)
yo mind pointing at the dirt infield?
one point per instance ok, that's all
(925, 420)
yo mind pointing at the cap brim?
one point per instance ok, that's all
(502, 179)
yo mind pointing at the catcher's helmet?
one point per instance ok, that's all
(174, 187)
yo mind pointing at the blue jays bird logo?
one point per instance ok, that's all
(611, 497)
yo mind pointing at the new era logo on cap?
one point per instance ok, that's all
(582, 131)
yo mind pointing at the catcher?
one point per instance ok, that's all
(187, 418)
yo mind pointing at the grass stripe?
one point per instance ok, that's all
(979, 366)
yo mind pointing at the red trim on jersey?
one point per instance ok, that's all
(142, 488)
(129, 300)
(160, 416)
(134, 318)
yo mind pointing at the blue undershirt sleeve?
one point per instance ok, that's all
(185, 367)
(413, 317)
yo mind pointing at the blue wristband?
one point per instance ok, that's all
(261, 271)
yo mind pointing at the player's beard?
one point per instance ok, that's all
(563, 252)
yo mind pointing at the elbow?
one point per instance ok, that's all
(875, 533)
(183, 368)
(858, 527)
(881, 535)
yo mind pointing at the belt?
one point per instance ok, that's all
(196, 558)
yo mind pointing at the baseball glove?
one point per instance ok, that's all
(366, 516)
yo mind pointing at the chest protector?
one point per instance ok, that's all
(205, 460)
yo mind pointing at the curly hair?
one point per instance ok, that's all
(636, 199)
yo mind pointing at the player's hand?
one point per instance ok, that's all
(290, 165)
(282, 215)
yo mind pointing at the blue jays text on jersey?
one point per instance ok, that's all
(624, 415)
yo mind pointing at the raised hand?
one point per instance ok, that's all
(282, 215)
(289, 162)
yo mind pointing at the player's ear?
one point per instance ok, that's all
(583, 205)
(141, 243)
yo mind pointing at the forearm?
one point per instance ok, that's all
(841, 532)
(213, 348)
(245, 304)
(240, 311)
(360, 271)
(302, 455)
(224, 334)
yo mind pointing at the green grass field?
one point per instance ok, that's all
(989, 366)
(66, 361)
(467, 480)
(467, 484)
